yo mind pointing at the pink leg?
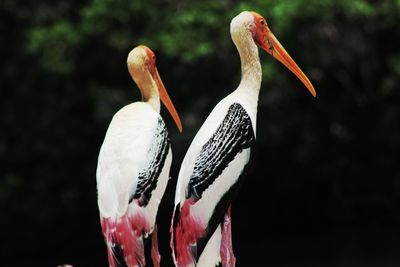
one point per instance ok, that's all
(155, 254)
(226, 251)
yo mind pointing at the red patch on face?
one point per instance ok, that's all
(261, 29)
(152, 60)
(188, 231)
(127, 232)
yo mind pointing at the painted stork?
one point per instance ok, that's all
(211, 170)
(133, 168)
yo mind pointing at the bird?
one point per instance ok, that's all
(133, 168)
(212, 170)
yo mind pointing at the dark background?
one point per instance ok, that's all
(325, 187)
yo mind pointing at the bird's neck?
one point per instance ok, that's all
(250, 65)
(148, 88)
(154, 102)
(151, 96)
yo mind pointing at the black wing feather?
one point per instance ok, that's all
(233, 135)
(157, 154)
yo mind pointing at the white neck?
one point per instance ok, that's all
(250, 63)
(154, 102)
(148, 88)
(150, 93)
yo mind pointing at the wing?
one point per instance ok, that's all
(156, 156)
(212, 184)
(233, 135)
(123, 155)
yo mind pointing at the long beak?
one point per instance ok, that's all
(167, 101)
(274, 47)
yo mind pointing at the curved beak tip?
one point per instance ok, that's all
(313, 92)
(180, 127)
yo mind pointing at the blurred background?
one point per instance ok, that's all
(325, 186)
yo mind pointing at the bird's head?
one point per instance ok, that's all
(142, 67)
(263, 37)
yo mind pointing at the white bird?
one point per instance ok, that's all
(133, 168)
(212, 169)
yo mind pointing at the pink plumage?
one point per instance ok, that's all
(155, 254)
(126, 232)
(188, 231)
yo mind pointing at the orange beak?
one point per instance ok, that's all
(267, 41)
(166, 100)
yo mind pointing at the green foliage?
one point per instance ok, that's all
(55, 46)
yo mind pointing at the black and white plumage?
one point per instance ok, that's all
(133, 169)
(157, 154)
(234, 134)
(212, 169)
